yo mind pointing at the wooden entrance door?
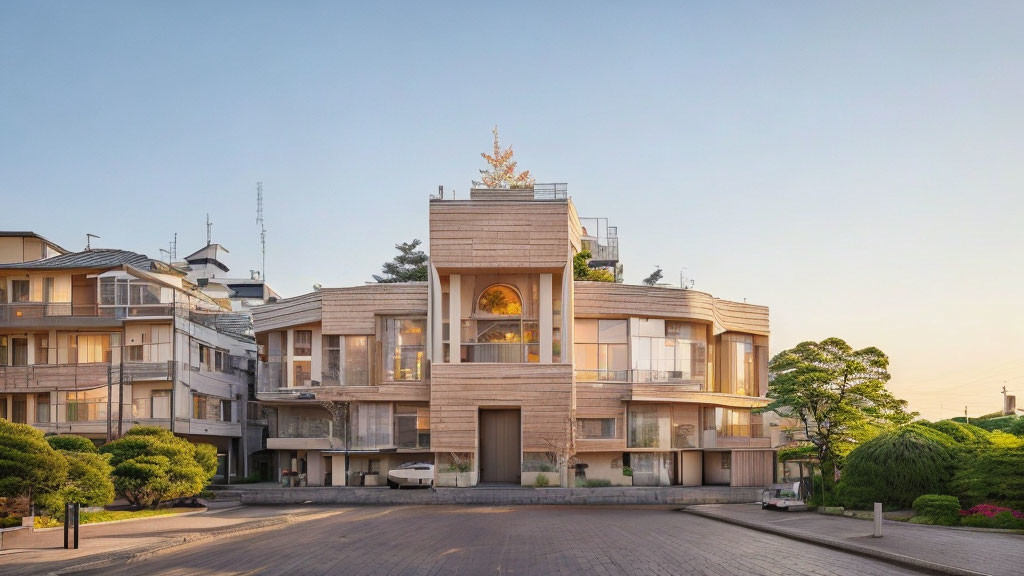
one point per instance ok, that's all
(500, 451)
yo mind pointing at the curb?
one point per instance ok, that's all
(135, 554)
(890, 557)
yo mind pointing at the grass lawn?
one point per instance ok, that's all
(111, 515)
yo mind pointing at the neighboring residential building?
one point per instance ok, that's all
(206, 268)
(504, 367)
(95, 342)
(26, 246)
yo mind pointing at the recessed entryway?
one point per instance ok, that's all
(500, 447)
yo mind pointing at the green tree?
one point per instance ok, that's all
(88, 482)
(654, 277)
(409, 266)
(839, 396)
(71, 443)
(152, 465)
(28, 465)
(995, 475)
(581, 270)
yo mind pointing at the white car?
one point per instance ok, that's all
(782, 497)
(411, 474)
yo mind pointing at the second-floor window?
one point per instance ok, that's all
(595, 428)
(670, 351)
(19, 291)
(601, 350)
(303, 343)
(346, 361)
(403, 349)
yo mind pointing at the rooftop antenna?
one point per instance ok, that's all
(263, 230)
(88, 241)
(173, 245)
(168, 252)
(209, 230)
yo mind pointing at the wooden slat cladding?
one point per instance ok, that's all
(352, 310)
(458, 391)
(295, 311)
(499, 234)
(606, 299)
(752, 467)
(381, 393)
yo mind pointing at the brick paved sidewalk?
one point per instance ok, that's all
(43, 552)
(959, 551)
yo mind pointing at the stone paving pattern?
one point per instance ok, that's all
(427, 540)
(996, 553)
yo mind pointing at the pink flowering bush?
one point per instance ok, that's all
(991, 516)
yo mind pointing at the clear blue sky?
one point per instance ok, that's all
(856, 168)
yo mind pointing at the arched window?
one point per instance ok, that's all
(499, 300)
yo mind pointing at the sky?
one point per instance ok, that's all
(857, 168)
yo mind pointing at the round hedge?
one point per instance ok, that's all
(71, 443)
(961, 433)
(896, 467)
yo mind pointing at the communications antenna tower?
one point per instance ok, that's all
(263, 230)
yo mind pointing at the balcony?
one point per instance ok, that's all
(307, 433)
(67, 313)
(681, 380)
(79, 376)
(739, 436)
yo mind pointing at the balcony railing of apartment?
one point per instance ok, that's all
(738, 436)
(308, 427)
(540, 191)
(37, 310)
(676, 378)
(501, 352)
(80, 376)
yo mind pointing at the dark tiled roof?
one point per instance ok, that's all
(100, 258)
(239, 323)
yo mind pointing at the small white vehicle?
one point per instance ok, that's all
(411, 474)
(782, 497)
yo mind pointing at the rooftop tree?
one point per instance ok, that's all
(839, 396)
(409, 266)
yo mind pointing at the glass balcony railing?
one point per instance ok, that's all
(682, 379)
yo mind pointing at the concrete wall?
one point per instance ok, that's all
(495, 496)
(605, 466)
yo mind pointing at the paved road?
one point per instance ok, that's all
(425, 540)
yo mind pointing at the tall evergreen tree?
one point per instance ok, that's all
(409, 266)
(838, 394)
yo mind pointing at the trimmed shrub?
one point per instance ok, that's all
(994, 475)
(88, 482)
(71, 443)
(595, 483)
(1004, 519)
(961, 433)
(28, 465)
(896, 467)
(541, 481)
(936, 509)
(152, 465)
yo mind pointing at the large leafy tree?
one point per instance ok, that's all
(28, 465)
(839, 396)
(409, 266)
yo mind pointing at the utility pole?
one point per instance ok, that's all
(966, 417)
(263, 231)
(209, 230)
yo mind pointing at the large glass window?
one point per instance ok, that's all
(412, 426)
(346, 361)
(88, 405)
(404, 347)
(370, 425)
(733, 422)
(601, 350)
(143, 293)
(671, 352)
(503, 327)
(114, 291)
(736, 360)
(644, 428)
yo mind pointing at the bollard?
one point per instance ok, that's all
(67, 520)
(78, 510)
(878, 520)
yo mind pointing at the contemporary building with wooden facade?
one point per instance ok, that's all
(501, 367)
(95, 342)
